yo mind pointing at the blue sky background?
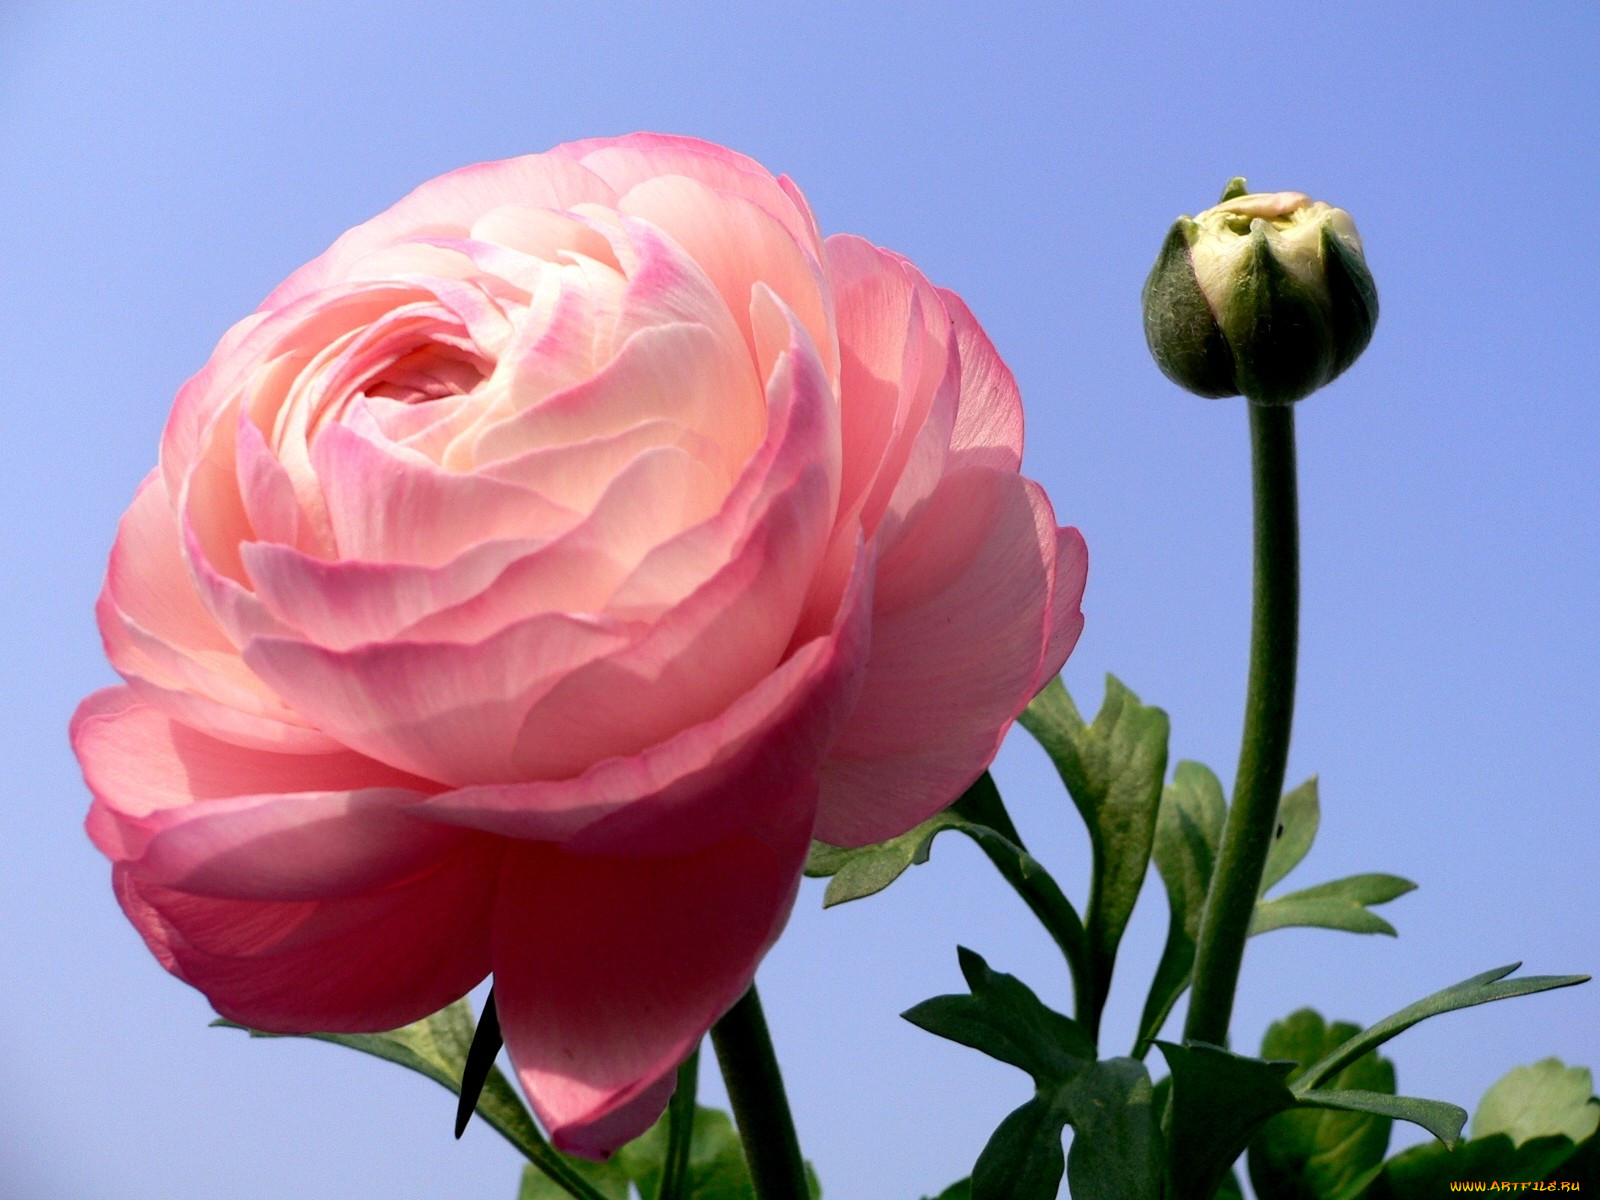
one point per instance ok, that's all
(163, 165)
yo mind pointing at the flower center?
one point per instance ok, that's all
(432, 371)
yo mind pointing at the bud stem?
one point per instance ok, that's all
(1269, 712)
(755, 1089)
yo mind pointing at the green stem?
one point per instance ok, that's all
(755, 1088)
(1269, 712)
(680, 1132)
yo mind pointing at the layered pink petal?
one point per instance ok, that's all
(344, 603)
(708, 780)
(988, 428)
(1066, 603)
(609, 971)
(901, 385)
(977, 574)
(216, 819)
(627, 162)
(448, 206)
(170, 648)
(716, 652)
(148, 582)
(354, 964)
(693, 660)
(391, 505)
(678, 372)
(739, 244)
(448, 711)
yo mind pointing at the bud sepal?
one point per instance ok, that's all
(1266, 295)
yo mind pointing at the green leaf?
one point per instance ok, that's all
(1219, 1100)
(1116, 1147)
(959, 1190)
(1584, 1164)
(1188, 830)
(1428, 1170)
(1319, 1154)
(1023, 1159)
(1113, 769)
(1438, 1117)
(1005, 1020)
(1299, 815)
(717, 1169)
(1338, 904)
(1536, 1124)
(859, 871)
(1539, 1100)
(1116, 1150)
(607, 1179)
(1480, 989)
(866, 870)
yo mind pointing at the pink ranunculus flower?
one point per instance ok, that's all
(529, 580)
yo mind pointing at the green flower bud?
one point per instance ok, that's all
(1266, 295)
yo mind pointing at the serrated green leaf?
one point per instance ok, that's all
(1113, 770)
(1001, 1017)
(1438, 1117)
(1320, 1154)
(1539, 1100)
(1299, 815)
(1188, 831)
(1219, 1100)
(1116, 1147)
(1480, 989)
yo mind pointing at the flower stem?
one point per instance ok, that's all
(680, 1132)
(755, 1087)
(1269, 712)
